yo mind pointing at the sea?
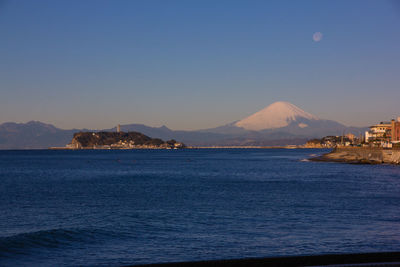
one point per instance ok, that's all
(127, 207)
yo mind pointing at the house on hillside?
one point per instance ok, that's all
(379, 133)
(384, 134)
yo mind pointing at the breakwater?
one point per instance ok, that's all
(366, 155)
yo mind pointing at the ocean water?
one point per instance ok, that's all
(115, 207)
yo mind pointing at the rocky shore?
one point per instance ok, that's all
(362, 155)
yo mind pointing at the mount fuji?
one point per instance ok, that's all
(276, 115)
(280, 123)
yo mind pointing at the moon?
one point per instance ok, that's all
(317, 36)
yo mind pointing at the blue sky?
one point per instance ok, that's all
(196, 64)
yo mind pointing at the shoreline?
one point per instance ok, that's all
(361, 155)
(194, 147)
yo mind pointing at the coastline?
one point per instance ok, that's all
(193, 147)
(361, 155)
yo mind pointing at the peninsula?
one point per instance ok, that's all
(380, 144)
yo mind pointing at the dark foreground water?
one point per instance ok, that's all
(128, 207)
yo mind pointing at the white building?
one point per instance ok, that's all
(379, 132)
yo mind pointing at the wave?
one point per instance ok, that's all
(52, 238)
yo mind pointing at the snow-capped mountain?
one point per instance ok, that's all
(280, 123)
(277, 115)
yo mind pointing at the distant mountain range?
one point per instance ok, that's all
(33, 135)
(281, 123)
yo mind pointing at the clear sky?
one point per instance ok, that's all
(196, 64)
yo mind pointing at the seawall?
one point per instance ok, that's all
(366, 155)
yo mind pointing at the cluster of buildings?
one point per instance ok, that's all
(333, 141)
(128, 145)
(384, 134)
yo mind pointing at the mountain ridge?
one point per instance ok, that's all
(296, 126)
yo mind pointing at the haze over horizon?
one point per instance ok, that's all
(186, 65)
